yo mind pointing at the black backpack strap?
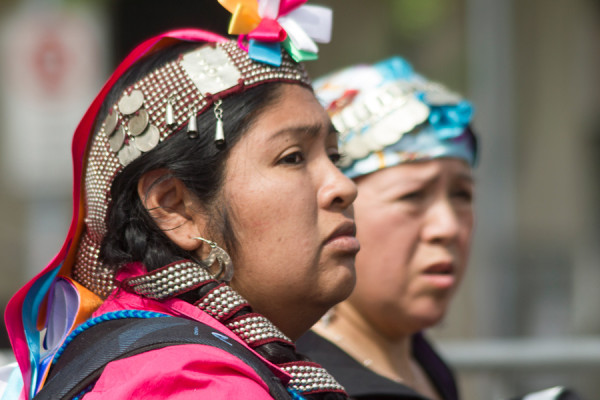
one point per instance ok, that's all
(86, 356)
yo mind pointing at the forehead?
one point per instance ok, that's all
(295, 106)
(420, 171)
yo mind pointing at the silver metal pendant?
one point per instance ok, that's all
(138, 123)
(219, 133)
(127, 154)
(211, 69)
(110, 123)
(170, 113)
(192, 128)
(147, 140)
(132, 102)
(117, 139)
(442, 98)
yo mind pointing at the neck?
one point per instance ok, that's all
(389, 357)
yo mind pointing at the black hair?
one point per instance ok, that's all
(132, 235)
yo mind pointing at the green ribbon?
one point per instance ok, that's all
(297, 54)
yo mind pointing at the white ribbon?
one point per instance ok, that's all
(297, 35)
(302, 25)
(316, 21)
(268, 8)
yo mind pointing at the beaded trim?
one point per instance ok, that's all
(309, 377)
(222, 302)
(138, 122)
(256, 330)
(169, 281)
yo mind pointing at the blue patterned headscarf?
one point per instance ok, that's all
(387, 114)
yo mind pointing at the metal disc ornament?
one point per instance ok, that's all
(116, 139)
(127, 154)
(110, 123)
(132, 102)
(138, 123)
(148, 140)
(441, 98)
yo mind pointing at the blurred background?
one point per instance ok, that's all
(527, 315)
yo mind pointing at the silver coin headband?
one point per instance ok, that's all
(162, 103)
(173, 95)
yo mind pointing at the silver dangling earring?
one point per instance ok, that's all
(218, 254)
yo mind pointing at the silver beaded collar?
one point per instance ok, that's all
(222, 303)
(149, 112)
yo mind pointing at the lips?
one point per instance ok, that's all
(441, 268)
(344, 237)
(440, 275)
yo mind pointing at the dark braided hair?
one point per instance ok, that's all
(132, 235)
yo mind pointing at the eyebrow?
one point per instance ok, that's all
(461, 177)
(308, 130)
(467, 177)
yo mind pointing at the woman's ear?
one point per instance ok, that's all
(173, 207)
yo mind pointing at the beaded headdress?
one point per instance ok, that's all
(165, 101)
(387, 114)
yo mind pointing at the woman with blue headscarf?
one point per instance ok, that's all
(408, 145)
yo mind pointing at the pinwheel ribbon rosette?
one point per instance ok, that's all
(271, 24)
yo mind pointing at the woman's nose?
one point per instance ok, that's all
(442, 222)
(337, 190)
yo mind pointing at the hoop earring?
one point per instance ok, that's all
(225, 272)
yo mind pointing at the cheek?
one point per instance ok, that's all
(463, 246)
(271, 219)
(467, 221)
(387, 248)
(386, 234)
(266, 206)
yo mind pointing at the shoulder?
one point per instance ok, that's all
(359, 381)
(435, 367)
(178, 372)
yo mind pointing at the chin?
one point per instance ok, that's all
(341, 287)
(430, 316)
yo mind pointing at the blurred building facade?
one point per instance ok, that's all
(531, 69)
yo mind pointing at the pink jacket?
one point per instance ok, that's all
(178, 372)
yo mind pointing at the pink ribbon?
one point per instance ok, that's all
(286, 6)
(268, 30)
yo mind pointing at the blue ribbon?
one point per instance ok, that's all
(268, 53)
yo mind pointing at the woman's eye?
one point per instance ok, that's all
(465, 195)
(336, 158)
(412, 196)
(292, 158)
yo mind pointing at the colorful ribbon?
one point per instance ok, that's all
(27, 307)
(272, 24)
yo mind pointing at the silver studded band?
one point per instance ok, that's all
(308, 377)
(256, 330)
(169, 281)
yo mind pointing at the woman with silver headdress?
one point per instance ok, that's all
(206, 202)
(407, 144)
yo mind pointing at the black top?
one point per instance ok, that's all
(361, 383)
